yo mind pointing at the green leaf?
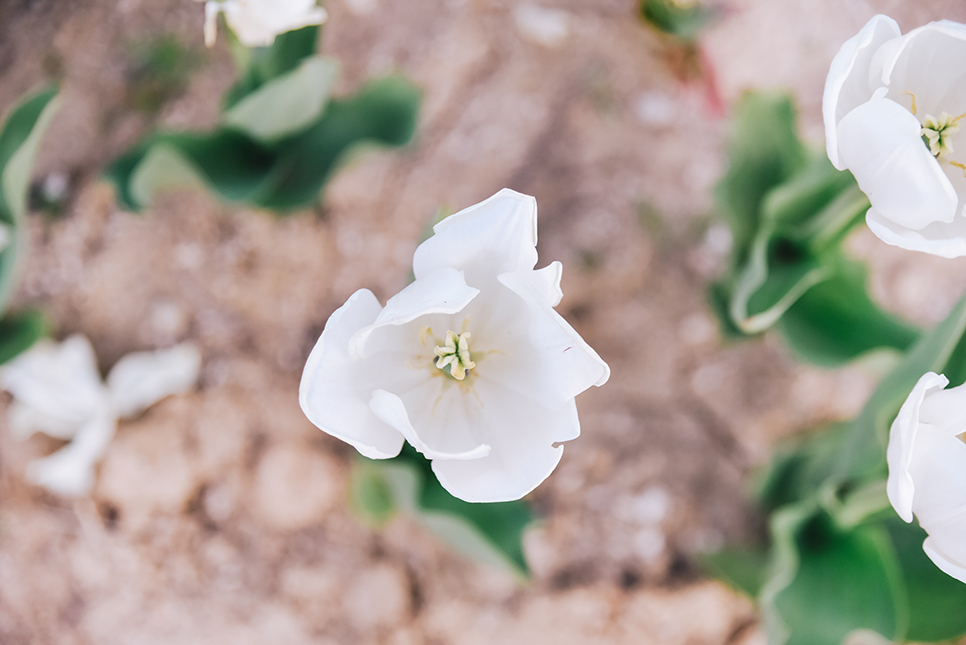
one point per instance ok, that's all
(684, 22)
(744, 568)
(826, 583)
(384, 112)
(936, 602)
(285, 175)
(20, 138)
(835, 321)
(287, 104)
(763, 152)
(488, 533)
(264, 64)
(942, 350)
(369, 493)
(20, 330)
(800, 467)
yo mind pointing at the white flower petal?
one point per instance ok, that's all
(258, 22)
(928, 62)
(442, 292)
(335, 388)
(546, 282)
(141, 379)
(70, 470)
(880, 143)
(902, 437)
(847, 85)
(212, 9)
(556, 363)
(950, 568)
(939, 238)
(25, 420)
(945, 410)
(521, 436)
(60, 381)
(447, 420)
(495, 236)
(937, 469)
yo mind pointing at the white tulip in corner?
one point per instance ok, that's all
(258, 22)
(57, 390)
(893, 107)
(927, 469)
(470, 363)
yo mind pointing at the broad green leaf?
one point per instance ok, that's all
(261, 65)
(679, 20)
(793, 204)
(369, 493)
(227, 161)
(763, 152)
(20, 138)
(384, 112)
(835, 321)
(488, 533)
(18, 331)
(800, 467)
(937, 602)
(287, 104)
(285, 175)
(744, 568)
(942, 350)
(827, 583)
(800, 221)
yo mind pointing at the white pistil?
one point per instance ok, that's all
(455, 353)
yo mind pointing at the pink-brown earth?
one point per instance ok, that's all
(221, 516)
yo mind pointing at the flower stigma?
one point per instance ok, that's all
(937, 132)
(455, 354)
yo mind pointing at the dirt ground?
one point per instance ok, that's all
(221, 517)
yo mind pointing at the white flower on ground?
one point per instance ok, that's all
(57, 390)
(892, 107)
(927, 469)
(258, 22)
(470, 363)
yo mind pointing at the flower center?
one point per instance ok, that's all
(455, 355)
(938, 132)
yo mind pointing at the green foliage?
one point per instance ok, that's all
(262, 65)
(282, 175)
(488, 533)
(789, 209)
(839, 558)
(281, 137)
(683, 20)
(20, 136)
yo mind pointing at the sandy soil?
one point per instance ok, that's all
(220, 516)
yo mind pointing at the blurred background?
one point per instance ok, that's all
(221, 516)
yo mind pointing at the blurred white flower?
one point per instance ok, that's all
(57, 390)
(540, 25)
(258, 22)
(470, 363)
(892, 108)
(927, 469)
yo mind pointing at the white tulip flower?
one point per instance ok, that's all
(927, 469)
(892, 107)
(258, 22)
(470, 363)
(57, 390)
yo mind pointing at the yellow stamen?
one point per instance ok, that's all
(913, 97)
(959, 165)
